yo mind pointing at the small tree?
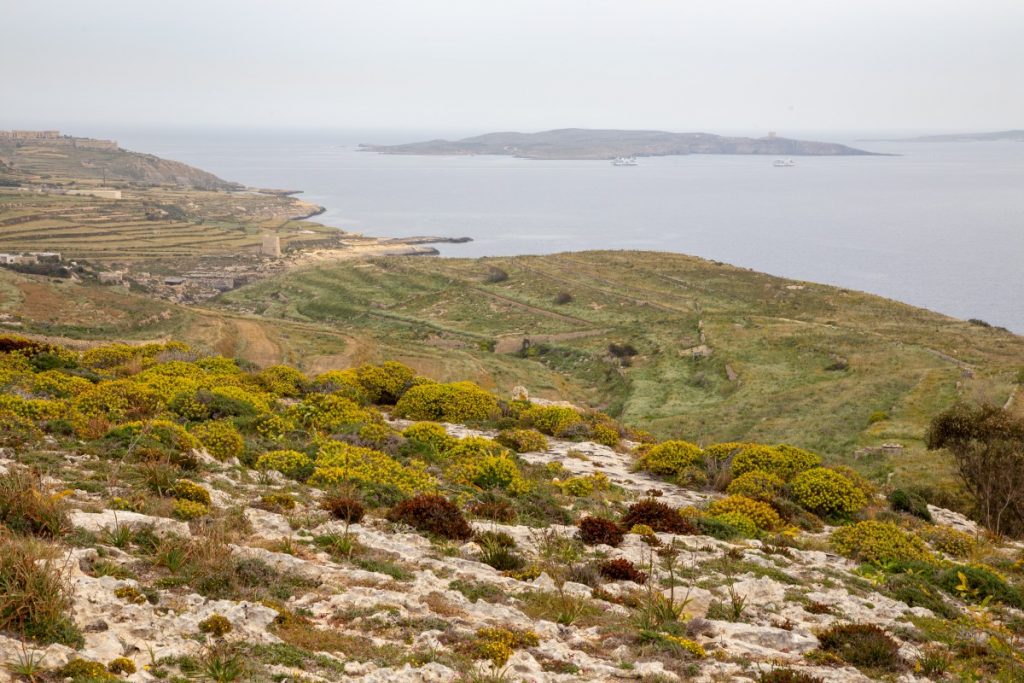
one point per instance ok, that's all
(987, 444)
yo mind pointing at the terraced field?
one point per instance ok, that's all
(148, 223)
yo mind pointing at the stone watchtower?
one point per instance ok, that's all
(271, 246)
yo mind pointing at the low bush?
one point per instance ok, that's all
(492, 505)
(343, 506)
(220, 439)
(432, 514)
(733, 524)
(878, 543)
(949, 540)
(216, 625)
(916, 590)
(385, 383)
(901, 500)
(339, 463)
(658, 516)
(760, 513)
(85, 671)
(189, 490)
(551, 420)
(121, 666)
(455, 402)
(431, 434)
(187, 510)
(622, 569)
(35, 597)
(756, 484)
(598, 531)
(864, 645)
(782, 460)
(788, 676)
(522, 440)
(291, 464)
(671, 458)
(827, 493)
(26, 509)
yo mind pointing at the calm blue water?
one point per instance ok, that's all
(941, 226)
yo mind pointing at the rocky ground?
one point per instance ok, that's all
(380, 602)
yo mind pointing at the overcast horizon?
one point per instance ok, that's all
(461, 67)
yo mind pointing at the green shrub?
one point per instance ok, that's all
(861, 645)
(121, 666)
(782, 460)
(911, 503)
(732, 523)
(85, 671)
(455, 402)
(827, 493)
(282, 380)
(761, 514)
(916, 591)
(216, 625)
(188, 510)
(522, 440)
(432, 514)
(291, 464)
(878, 543)
(671, 458)
(763, 486)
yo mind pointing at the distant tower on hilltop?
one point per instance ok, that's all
(271, 246)
(771, 135)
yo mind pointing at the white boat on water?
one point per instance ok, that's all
(783, 163)
(625, 161)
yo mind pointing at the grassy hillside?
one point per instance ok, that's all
(781, 361)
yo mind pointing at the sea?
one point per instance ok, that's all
(934, 224)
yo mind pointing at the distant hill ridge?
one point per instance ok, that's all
(582, 143)
(48, 153)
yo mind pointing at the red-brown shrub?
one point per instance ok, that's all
(658, 516)
(622, 570)
(598, 530)
(432, 514)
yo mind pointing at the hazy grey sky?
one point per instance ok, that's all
(713, 65)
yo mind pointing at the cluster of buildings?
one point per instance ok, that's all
(54, 137)
(29, 257)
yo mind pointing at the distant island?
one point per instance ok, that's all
(582, 143)
(997, 136)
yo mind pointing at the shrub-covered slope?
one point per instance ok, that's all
(167, 514)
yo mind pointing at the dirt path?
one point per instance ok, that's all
(255, 345)
(509, 343)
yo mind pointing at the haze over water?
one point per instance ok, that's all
(941, 226)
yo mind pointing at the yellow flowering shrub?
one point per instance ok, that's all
(56, 384)
(878, 543)
(291, 464)
(498, 644)
(35, 409)
(690, 647)
(338, 462)
(189, 490)
(739, 521)
(220, 439)
(189, 509)
(17, 431)
(430, 433)
(384, 383)
(605, 434)
(218, 365)
(455, 402)
(118, 400)
(782, 460)
(581, 487)
(342, 382)
(255, 401)
(109, 356)
(760, 513)
(948, 540)
(671, 457)
(551, 420)
(327, 413)
(186, 404)
(489, 472)
(757, 485)
(376, 434)
(282, 380)
(522, 440)
(162, 435)
(471, 447)
(826, 492)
